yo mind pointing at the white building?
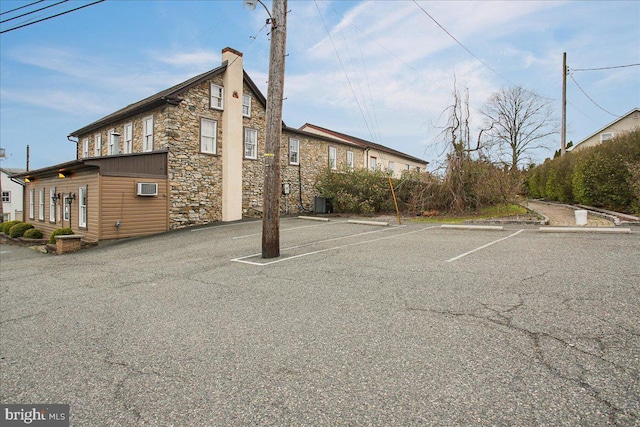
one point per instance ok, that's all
(11, 195)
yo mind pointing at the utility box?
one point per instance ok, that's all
(581, 217)
(322, 205)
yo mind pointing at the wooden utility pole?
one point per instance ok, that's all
(275, 90)
(563, 130)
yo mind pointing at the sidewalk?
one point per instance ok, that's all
(563, 216)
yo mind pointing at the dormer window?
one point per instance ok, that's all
(217, 92)
(246, 105)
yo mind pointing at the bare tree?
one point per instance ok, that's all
(457, 138)
(519, 121)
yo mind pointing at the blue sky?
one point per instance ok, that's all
(379, 70)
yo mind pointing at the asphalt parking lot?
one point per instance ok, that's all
(352, 325)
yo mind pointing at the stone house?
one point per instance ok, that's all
(188, 155)
(376, 156)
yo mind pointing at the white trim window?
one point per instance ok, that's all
(114, 142)
(6, 197)
(333, 158)
(52, 204)
(32, 206)
(97, 139)
(606, 136)
(147, 134)
(85, 148)
(373, 163)
(41, 204)
(246, 105)
(128, 138)
(208, 133)
(294, 151)
(350, 160)
(82, 207)
(391, 168)
(250, 143)
(66, 203)
(217, 94)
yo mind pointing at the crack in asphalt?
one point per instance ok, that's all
(499, 318)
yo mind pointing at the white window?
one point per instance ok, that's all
(216, 97)
(85, 148)
(31, 203)
(41, 204)
(250, 143)
(606, 136)
(147, 134)
(350, 160)
(373, 163)
(128, 138)
(82, 206)
(6, 196)
(294, 151)
(97, 139)
(52, 204)
(114, 142)
(67, 205)
(333, 157)
(208, 132)
(246, 105)
(390, 168)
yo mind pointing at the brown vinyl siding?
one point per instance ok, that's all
(138, 215)
(65, 186)
(147, 164)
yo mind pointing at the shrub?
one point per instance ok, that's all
(6, 226)
(19, 229)
(59, 232)
(607, 175)
(32, 233)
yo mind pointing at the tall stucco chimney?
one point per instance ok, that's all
(232, 136)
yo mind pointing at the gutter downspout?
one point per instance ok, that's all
(75, 142)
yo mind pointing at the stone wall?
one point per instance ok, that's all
(195, 178)
(159, 133)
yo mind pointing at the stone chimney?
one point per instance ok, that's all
(232, 135)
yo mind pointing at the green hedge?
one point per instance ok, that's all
(32, 233)
(6, 226)
(607, 175)
(19, 229)
(58, 232)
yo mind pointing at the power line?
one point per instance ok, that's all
(22, 7)
(476, 56)
(50, 17)
(33, 11)
(591, 99)
(343, 69)
(605, 68)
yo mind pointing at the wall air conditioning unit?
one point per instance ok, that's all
(147, 189)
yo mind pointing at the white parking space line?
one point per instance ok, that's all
(290, 229)
(244, 258)
(234, 224)
(484, 246)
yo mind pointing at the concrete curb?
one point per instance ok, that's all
(357, 221)
(608, 230)
(314, 218)
(473, 227)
